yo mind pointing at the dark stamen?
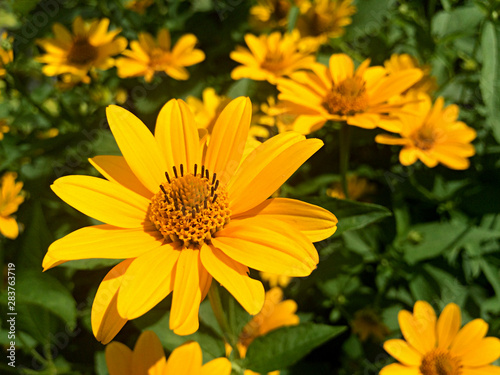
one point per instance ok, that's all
(215, 198)
(163, 189)
(175, 171)
(216, 185)
(182, 170)
(168, 177)
(202, 171)
(213, 178)
(206, 174)
(183, 209)
(193, 213)
(205, 203)
(212, 191)
(195, 169)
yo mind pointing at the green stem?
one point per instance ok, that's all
(345, 140)
(216, 303)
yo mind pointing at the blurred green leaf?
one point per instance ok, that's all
(351, 214)
(285, 346)
(490, 75)
(457, 22)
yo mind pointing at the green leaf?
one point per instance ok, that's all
(43, 290)
(456, 23)
(285, 346)
(352, 215)
(490, 75)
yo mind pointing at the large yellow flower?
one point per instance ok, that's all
(208, 109)
(440, 347)
(148, 56)
(433, 135)
(11, 198)
(270, 57)
(148, 358)
(6, 52)
(74, 55)
(323, 19)
(340, 93)
(180, 214)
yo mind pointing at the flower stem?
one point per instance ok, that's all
(216, 303)
(345, 140)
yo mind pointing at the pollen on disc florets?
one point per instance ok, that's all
(190, 208)
(347, 98)
(440, 362)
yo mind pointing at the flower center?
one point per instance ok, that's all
(159, 58)
(440, 362)
(82, 52)
(347, 98)
(190, 208)
(425, 137)
(274, 62)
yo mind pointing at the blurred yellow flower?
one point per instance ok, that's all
(439, 347)
(207, 109)
(340, 93)
(11, 198)
(270, 57)
(139, 6)
(148, 358)
(180, 213)
(272, 14)
(323, 19)
(6, 52)
(433, 135)
(358, 188)
(75, 54)
(275, 313)
(275, 280)
(4, 128)
(367, 324)
(148, 56)
(397, 63)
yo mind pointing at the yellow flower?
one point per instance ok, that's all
(208, 109)
(276, 313)
(367, 323)
(148, 56)
(6, 52)
(148, 358)
(4, 128)
(180, 213)
(139, 6)
(273, 14)
(440, 347)
(325, 19)
(270, 57)
(275, 280)
(357, 187)
(74, 55)
(340, 93)
(397, 63)
(11, 198)
(433, 135)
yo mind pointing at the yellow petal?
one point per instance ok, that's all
(187, 293)
(177, 136)
(314, 222)
(486, 352)
(164, 39)
(268, 245)
(403, 352)
(448, 325)
(451, 160)
(116, 169)
(130, 68)
(185, 360)
(78, 26)
(218, 366)
(469, 337)
(256, 46)
(106, 321)
(267, 168)
(107, 242)
(364, 120)
(103, 200)
(308, 124)
(397, 369)
(341, 67)
(408, 156)
(118, 359)
(234, 277)
(484, 370)
(148, 357)
(9, 227)
(148, 281)
(98, 31)
(62, 34)
(394, 84)
(138, 146)
(228, 139)
(413, 330)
